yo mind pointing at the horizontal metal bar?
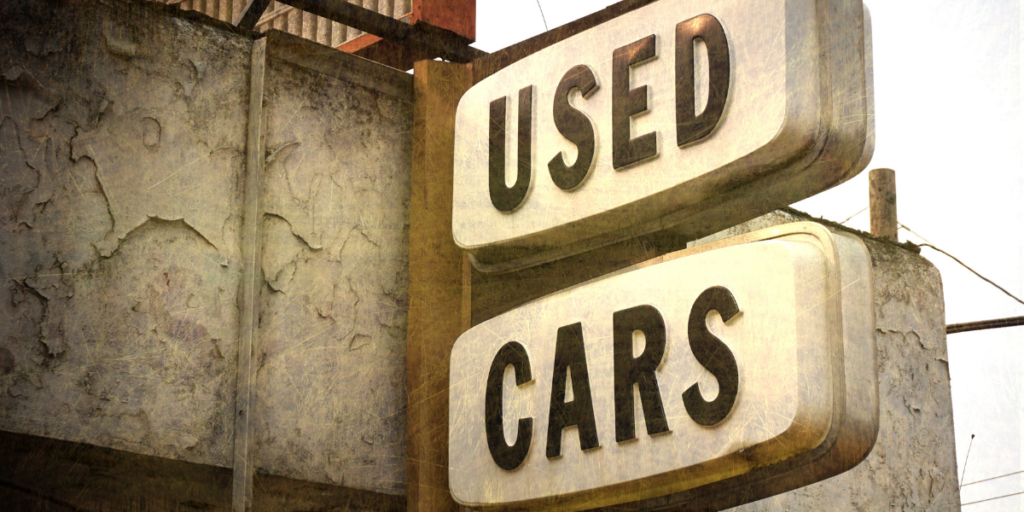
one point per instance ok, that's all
(440, 42)
(985, 324)
(353, 16)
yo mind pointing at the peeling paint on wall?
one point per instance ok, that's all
(331, 383)
(119, 214)
(122, 146)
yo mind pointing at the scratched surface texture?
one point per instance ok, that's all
(122, 157)
(122, 162)
(913, 464)
(330, 403)
(121, 153)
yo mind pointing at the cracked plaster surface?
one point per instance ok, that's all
(331, 381)
(121, 153)
(122, 142)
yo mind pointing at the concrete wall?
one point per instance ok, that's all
(331, 385)
(913, 464)
(122, 162)
(122, 135)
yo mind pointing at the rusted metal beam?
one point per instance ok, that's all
(354, 16)
(985, 324)
(424, 37)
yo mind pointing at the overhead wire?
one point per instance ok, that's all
(862, 210)
(989, 479)
(904, 226)
(987, 280)
(963, 473)
(993, 478)
(990, 499)
(542, 18)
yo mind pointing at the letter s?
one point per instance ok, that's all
(713, 355)
(575, 126)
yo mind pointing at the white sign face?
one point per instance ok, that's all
(656, 116)
(730, 364)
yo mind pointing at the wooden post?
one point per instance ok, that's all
(883, 203)
(437, 293)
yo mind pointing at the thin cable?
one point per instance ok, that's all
(854, 215)
(990, 499)
(904, 226)
(993, 478)
(930, 245)
(964, 472)
(542, 16)
(989, 281)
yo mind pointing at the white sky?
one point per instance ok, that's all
(948, 116)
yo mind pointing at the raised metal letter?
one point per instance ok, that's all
(505, 456)
(639, 370)
(575, 126)
(628, 102)
(569, 352)
(689, 126)
(502, 197)
(713, 355)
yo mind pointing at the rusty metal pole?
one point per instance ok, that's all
(883, 203)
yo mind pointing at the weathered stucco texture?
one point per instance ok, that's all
(912, 466)
(330, 403)
(122, 142)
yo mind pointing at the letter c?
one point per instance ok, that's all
(505, 456)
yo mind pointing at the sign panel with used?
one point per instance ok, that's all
(681, 113)
(703, 368)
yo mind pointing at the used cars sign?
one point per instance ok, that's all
(681, 113)
(719, 367)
